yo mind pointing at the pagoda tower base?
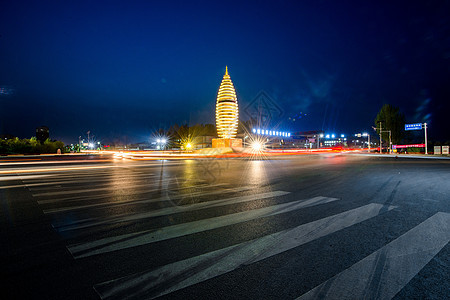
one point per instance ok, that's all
(224, 143)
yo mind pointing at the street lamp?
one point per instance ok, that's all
(320, 136)
(368, 139)
(161, 143)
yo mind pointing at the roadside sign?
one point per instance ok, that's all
(408, 146)
(437, 150)
(415, 126)
(445, 149)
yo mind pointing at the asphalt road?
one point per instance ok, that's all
(328, 226)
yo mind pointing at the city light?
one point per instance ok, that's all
(257, 146)
(268, 132)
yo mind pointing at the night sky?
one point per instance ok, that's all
(122, 69)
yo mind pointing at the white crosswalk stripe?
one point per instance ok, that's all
(98, 189)
(380, 275)
(151, 236)
(85, 223)
(146, 200)
(187, 272)
(385, 272)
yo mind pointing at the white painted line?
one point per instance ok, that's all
(86, 223)
(108, 188)
(148, 164)
(50, 183)
(382, 274)
(108, 195)
(150, 236)
(22, 177)
(181, 274)
(141, 201)
(52, 162)
(54, 169)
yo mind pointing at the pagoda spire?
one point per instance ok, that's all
(227, 111)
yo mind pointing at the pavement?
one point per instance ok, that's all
(319, 226)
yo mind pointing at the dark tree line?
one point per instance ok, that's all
(29, 146)
(393, 120)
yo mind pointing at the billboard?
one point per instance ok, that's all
(445, 149)
(408, 146)
(437, 150)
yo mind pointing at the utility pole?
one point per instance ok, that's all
(390, 143)
(381, 142)
(426, 140)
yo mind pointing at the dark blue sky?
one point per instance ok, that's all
(124, 68)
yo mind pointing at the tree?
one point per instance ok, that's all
(391, 119)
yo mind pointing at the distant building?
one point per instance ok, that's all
(42, 133)
(203, 141)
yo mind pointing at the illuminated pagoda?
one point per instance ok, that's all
(227, 114)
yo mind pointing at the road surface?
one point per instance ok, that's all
(326, 226)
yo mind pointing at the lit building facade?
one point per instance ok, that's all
(227, 112)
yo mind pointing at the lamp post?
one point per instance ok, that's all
(161, 143)
(426, 141)
(381, 142)
(368, 139)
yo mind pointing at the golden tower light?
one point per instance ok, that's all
(227, 111)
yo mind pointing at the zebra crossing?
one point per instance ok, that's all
(380, 275)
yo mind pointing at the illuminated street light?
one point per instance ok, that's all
(257, 146)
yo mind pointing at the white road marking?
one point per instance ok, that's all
(150, 236)
(108, 188)
(91, 180)
(382, 274)
(166, 211)
(181, 274)
(137, 192)
(140, 201)
(22, 177)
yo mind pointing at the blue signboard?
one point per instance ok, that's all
(416, 126)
